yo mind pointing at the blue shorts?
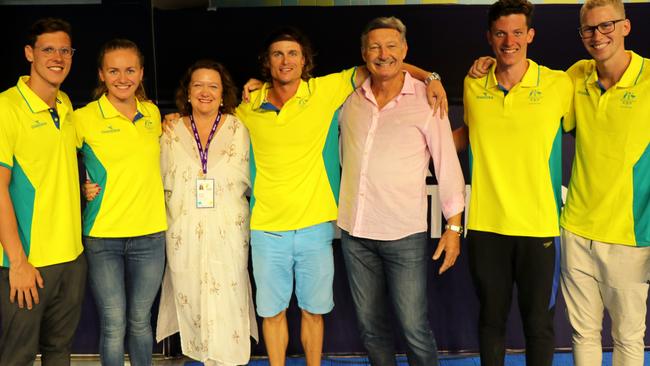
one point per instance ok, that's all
(278, 256)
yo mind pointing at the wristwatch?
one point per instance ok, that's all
(458, 229)
(432, 76)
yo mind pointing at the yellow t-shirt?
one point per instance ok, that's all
(44, 185)
(516, 151)
(294, 158)
(609, 191)
(123, 157)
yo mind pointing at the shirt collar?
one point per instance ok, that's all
(303, 92)
(109, 111)
(530, 79)
(630, 76)
(33, 101)
(408, 87)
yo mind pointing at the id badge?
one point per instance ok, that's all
(204, 193)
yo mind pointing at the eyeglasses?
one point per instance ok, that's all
(607, 27)
(65, 52)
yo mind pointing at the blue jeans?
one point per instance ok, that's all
(393, 271)
(125, 275)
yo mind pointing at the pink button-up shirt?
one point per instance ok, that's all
(386, 156)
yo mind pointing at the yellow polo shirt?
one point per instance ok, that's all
(516, 151)
(294, 157)
(609, 191)
(44, 185)
(123, 157)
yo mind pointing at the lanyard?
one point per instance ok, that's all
(203, 154)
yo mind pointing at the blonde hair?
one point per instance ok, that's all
(113, 45)
(591, 4)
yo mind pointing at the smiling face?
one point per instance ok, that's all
(509, 37)
(205, 91)
(384, 53)
(50, 70)
(122, 74)
(603, 47)
(285, 62)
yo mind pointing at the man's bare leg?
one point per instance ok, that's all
(311, 336)
(276, 338)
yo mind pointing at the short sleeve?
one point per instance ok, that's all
(338, 85)
(8, 135)
(466, 84)
(155, 115)
(77, 122)
(569, 122)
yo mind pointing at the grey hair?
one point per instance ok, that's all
(383, 23)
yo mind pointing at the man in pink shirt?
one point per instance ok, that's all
(389, 134)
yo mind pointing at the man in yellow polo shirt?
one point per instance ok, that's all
(295, 175)
(514, 116)
(606, 219)
(43, 269)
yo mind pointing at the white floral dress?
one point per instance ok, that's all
(206, 292)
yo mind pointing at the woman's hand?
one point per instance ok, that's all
(90, 190)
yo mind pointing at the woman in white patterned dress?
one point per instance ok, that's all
(206, 293)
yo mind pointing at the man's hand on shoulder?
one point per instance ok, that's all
(437, 97)
(250, 86)
(481, 66)
(168, 122)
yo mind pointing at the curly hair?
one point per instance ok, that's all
(287, 34)
(228, 96)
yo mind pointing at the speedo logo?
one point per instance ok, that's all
(485, 95)
(37, 124)
(110, 129)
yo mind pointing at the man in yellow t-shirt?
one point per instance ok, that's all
(43, 269)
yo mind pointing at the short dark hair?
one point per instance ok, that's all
(228, 95)
(287, 34)
(507, 7)
(47, 25)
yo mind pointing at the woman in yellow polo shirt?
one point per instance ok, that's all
(124, 225)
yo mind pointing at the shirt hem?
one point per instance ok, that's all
(599, 238)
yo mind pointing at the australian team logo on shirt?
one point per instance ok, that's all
(110, 129)
(535, 96)
(628, 99)
(148, 124)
